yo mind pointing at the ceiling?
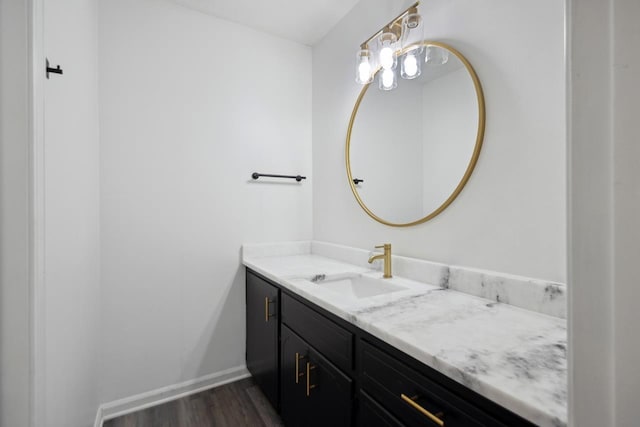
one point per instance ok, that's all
(302, 21)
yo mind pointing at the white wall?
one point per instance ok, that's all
(190, 106)
(604, 207)
(511, 215)
(15, 297)
(72, 212)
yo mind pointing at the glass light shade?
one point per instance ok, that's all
(387, 79)
(412, 32)
(436, 56)
(411, 65)
(364, 67)
(387, 55)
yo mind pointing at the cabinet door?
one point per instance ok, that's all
(262, 335)
(322, 395)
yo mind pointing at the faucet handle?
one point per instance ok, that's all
(384, 246)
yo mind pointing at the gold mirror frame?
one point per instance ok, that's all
(472, 162)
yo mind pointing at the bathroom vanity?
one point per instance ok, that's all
(330, 343)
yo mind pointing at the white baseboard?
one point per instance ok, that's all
(124, 406)
(99, 418)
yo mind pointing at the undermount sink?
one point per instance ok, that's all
(357, 287)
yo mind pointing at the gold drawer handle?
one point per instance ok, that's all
(423, 411)
(298, 373)
(266, 309)
(309, 385)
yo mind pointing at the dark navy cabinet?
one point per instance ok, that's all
(263, 323)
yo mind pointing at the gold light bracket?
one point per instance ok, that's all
(394, 26)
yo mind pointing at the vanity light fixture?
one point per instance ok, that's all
(388, 46)
(435, 56)
(412, 35)
(379, 53)
(387, 79)
(411, 67)
(364, 67)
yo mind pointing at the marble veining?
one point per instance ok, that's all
(510, 355)
(532, 294)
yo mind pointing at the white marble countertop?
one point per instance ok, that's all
(512, 356)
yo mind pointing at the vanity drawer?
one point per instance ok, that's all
(333, 341)
(414, 399)
(372, 414)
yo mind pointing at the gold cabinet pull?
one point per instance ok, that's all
(309, 385)
(298, 373)
(423, 411)
(266, 308)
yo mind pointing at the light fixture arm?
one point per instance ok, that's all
(395, 25)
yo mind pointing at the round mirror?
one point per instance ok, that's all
(411, 150)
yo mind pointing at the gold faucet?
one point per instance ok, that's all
(387, 259)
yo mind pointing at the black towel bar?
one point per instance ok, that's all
(257, 175)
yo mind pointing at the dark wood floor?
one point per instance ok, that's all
(232, 405)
